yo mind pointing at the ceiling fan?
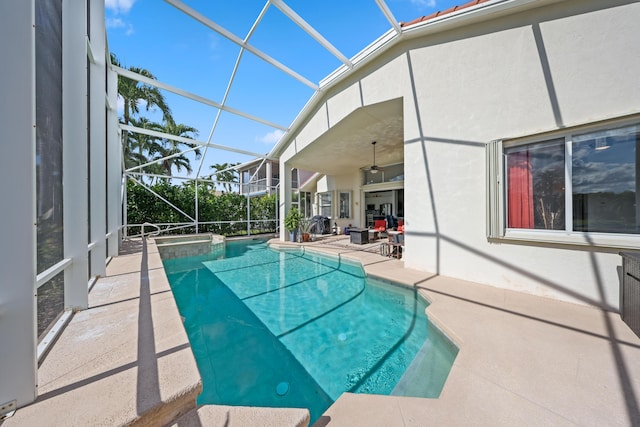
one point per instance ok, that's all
(374, 168)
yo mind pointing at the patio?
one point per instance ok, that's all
(523, 360)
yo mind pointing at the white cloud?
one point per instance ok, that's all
(594, 177)
(119, 23)
(114, 23)
(272, 137)
(424, 3)
(119, 6)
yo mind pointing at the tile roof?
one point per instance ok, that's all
(442, 12)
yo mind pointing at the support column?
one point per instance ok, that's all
(285, 197)
(269, 173)
(18, 371)
(97, 138)
(114, 166)
(74, 154)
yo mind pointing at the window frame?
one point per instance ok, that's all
(321, 205)
(496, 190)
(348, 204)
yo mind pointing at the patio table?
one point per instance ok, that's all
(359, 236)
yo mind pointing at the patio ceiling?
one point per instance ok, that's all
(347, 145)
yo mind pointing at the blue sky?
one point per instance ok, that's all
(182, 52)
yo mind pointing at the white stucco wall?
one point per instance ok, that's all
(527, 74)
(347, 182)
(556, 66)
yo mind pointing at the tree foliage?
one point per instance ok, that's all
(221, 213)
(160, 155)
(227, 212)
(226, 175)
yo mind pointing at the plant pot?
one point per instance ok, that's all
(293, 236)
(306, 237)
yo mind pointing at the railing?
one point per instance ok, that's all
(232, 227)
(259, 186)
(155, 233)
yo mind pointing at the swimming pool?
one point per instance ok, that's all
(297, 329)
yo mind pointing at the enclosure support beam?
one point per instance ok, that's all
(18, 261)
(97, 139)
(75, 152)
(114, 166)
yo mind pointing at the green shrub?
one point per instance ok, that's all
(227, 210)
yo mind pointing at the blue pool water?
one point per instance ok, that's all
(295, 329)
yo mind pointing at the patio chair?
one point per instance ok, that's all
(380, 225)
(392, 222)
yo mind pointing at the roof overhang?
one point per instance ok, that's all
(347, 147)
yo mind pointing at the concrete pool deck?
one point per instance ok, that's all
(523, 360)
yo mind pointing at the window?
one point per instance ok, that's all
(389, 173)
(605, 181)
(305, 204)
(324, 204)
(584, 181)
(535, 185)
(302, 201)
(344, 209)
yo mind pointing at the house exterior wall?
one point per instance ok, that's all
(551, 68)
(558, 65)
(349, 182)
(336, 183)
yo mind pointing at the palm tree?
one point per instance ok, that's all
(137, 147)
(140, 147)
(183, 131)
(170, 147)
(179, 161)
(226, 174)
(134, 93)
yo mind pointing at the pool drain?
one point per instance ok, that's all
(282, 388)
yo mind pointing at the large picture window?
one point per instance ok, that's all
(605, 181)
(584, 181)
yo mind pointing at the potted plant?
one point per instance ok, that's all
(305, 228)
(292, 223)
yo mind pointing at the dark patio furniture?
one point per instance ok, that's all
(359, 236)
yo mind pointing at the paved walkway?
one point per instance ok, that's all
(126, 360)
(523, 360)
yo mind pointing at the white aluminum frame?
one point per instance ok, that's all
(18, 261)
(114, 163)
(18, 311)
(97, 140)
(75, 152)
(20, 351)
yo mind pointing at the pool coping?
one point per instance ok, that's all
(522, 359)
